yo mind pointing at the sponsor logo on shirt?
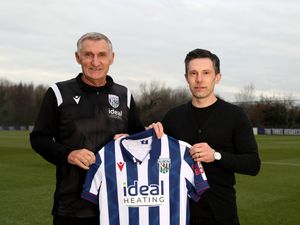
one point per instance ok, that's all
(143, 195)
(117, 114)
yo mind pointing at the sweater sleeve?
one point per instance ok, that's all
(134, 123)
(42, 138)
(245, 159)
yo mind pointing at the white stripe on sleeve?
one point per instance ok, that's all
(57, 94)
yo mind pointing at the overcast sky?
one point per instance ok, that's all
(258, 42)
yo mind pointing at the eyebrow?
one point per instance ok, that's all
(101, 52)
(204, 70)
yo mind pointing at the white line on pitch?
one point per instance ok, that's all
(280, 163)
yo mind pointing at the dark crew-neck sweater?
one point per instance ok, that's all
(227, 129)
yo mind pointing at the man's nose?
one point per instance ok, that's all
(96, 61)
(198, 77)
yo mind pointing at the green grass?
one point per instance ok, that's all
(271, 198)
(27, 182)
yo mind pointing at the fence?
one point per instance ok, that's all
(16, 127)
(278, 131)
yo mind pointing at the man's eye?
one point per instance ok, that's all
(88, 55)
(102, 54)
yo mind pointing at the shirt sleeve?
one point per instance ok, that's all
(196, 180)
(93, 181)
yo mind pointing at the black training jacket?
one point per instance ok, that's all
(74, 115)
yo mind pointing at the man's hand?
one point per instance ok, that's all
(120, 135)
(82, 158)
(158, 128)
(202, 152)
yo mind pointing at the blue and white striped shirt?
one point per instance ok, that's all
(142, 180)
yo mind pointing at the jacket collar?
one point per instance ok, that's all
(86, 87)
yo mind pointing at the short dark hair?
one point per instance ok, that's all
(202, 53)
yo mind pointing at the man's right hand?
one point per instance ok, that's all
(82, 158)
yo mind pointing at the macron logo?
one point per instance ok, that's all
(76, 99)
(121, 165)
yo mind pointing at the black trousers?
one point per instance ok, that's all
(198, 221)
(61, 220)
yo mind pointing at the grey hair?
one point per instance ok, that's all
(94, 36)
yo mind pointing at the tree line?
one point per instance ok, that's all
(19, 104)
(267, 112)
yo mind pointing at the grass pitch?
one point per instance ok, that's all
(271, 198)
(27, 182)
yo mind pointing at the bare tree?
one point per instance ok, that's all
(155, 100)
(246, 95)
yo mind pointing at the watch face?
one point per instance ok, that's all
(217, 155)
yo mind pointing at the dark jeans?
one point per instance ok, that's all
(61, 220)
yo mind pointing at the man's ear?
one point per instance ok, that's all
(218, 77)
(185, 76)
(112, 58)
(77, 57)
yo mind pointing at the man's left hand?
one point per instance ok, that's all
(202, 152)
(158, 128)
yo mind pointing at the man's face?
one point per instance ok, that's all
(202, 78)
(95, 58)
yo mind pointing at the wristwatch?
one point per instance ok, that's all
(217, 155)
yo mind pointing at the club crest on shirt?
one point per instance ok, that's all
(113, 100)
(164, 165)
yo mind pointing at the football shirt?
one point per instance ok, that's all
(142, 180)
